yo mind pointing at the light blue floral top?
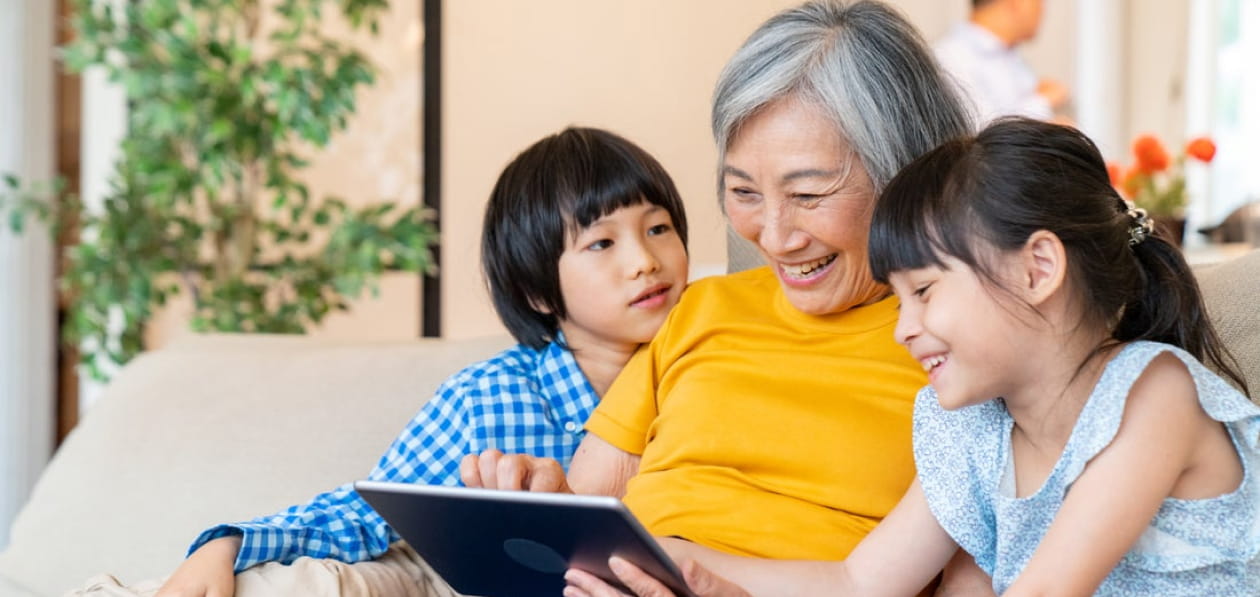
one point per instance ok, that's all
(1192, 547)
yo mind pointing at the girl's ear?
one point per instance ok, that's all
(1044, 262)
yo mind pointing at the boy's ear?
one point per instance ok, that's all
(538, 306)
(1044, 266)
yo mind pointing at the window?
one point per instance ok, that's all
(1234, 106)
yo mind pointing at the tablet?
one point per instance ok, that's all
(495, 543)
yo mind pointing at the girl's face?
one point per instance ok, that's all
(794, 188)
(620, 276)
(967, 335)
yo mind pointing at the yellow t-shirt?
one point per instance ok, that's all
(765, 431)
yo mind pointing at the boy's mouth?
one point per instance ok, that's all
(648, 295)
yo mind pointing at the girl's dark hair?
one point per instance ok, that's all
(1018, 176)
(560, 185)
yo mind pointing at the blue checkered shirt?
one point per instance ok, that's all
(521, 401)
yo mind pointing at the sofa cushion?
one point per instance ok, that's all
(1230, 290)
(215, 429)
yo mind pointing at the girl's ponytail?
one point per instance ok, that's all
(1167, 306)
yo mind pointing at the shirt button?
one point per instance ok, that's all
(570, 426)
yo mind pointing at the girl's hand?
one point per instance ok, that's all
(701, 581)
(493, 469)
(208, 572)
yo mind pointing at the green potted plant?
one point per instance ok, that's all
(207, 199)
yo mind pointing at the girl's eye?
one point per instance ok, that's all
(599, 245)
(659, 229)
(922, 290)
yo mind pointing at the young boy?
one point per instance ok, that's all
(584, 252)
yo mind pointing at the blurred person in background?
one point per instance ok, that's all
(981, 56)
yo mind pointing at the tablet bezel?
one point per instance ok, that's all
(561, 521)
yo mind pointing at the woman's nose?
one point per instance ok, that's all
(779, 233)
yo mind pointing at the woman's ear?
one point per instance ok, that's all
(1044, 263)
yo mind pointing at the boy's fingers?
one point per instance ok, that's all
(510, 472)
(487, 466)
(469, 473)
(547, 476)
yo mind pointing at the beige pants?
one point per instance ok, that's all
(399, 572)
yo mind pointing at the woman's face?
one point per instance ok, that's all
(795, 189)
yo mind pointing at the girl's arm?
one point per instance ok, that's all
(1122, 488)
(900, 557)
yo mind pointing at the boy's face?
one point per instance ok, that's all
(620, 276)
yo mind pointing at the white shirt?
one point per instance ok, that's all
(992, 75)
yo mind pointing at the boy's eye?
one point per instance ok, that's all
(659, 229)
(600, 244)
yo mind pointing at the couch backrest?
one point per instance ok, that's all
(215, 429)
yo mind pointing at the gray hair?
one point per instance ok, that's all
(863, 64)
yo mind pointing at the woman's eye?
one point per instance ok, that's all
(600, 244)
(807, 197)
(744, 194)
(659, 229)
(922, 290)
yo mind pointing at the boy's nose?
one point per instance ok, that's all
(645, 262)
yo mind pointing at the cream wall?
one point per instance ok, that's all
(515, 71)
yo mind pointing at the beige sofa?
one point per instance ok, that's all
(224, 428)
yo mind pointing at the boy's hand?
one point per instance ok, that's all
(208, 572)
(493, 469)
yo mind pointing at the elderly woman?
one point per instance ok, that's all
(770, 417)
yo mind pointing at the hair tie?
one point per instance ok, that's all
(1142, 225)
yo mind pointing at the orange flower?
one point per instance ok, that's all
(1132, 181)
(1202, 149)
(1116, 173)
(1150, 153)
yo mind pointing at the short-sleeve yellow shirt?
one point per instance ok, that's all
(765, 431)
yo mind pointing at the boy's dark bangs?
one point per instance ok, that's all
(618, 179)
(620, 185)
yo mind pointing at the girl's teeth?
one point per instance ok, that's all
(931, 362)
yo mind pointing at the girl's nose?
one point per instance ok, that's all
(908, 325)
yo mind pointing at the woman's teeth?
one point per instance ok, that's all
(802, 270)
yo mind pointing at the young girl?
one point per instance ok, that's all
(1071, 440)
(584, 252)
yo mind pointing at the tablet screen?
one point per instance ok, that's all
(513, 543)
